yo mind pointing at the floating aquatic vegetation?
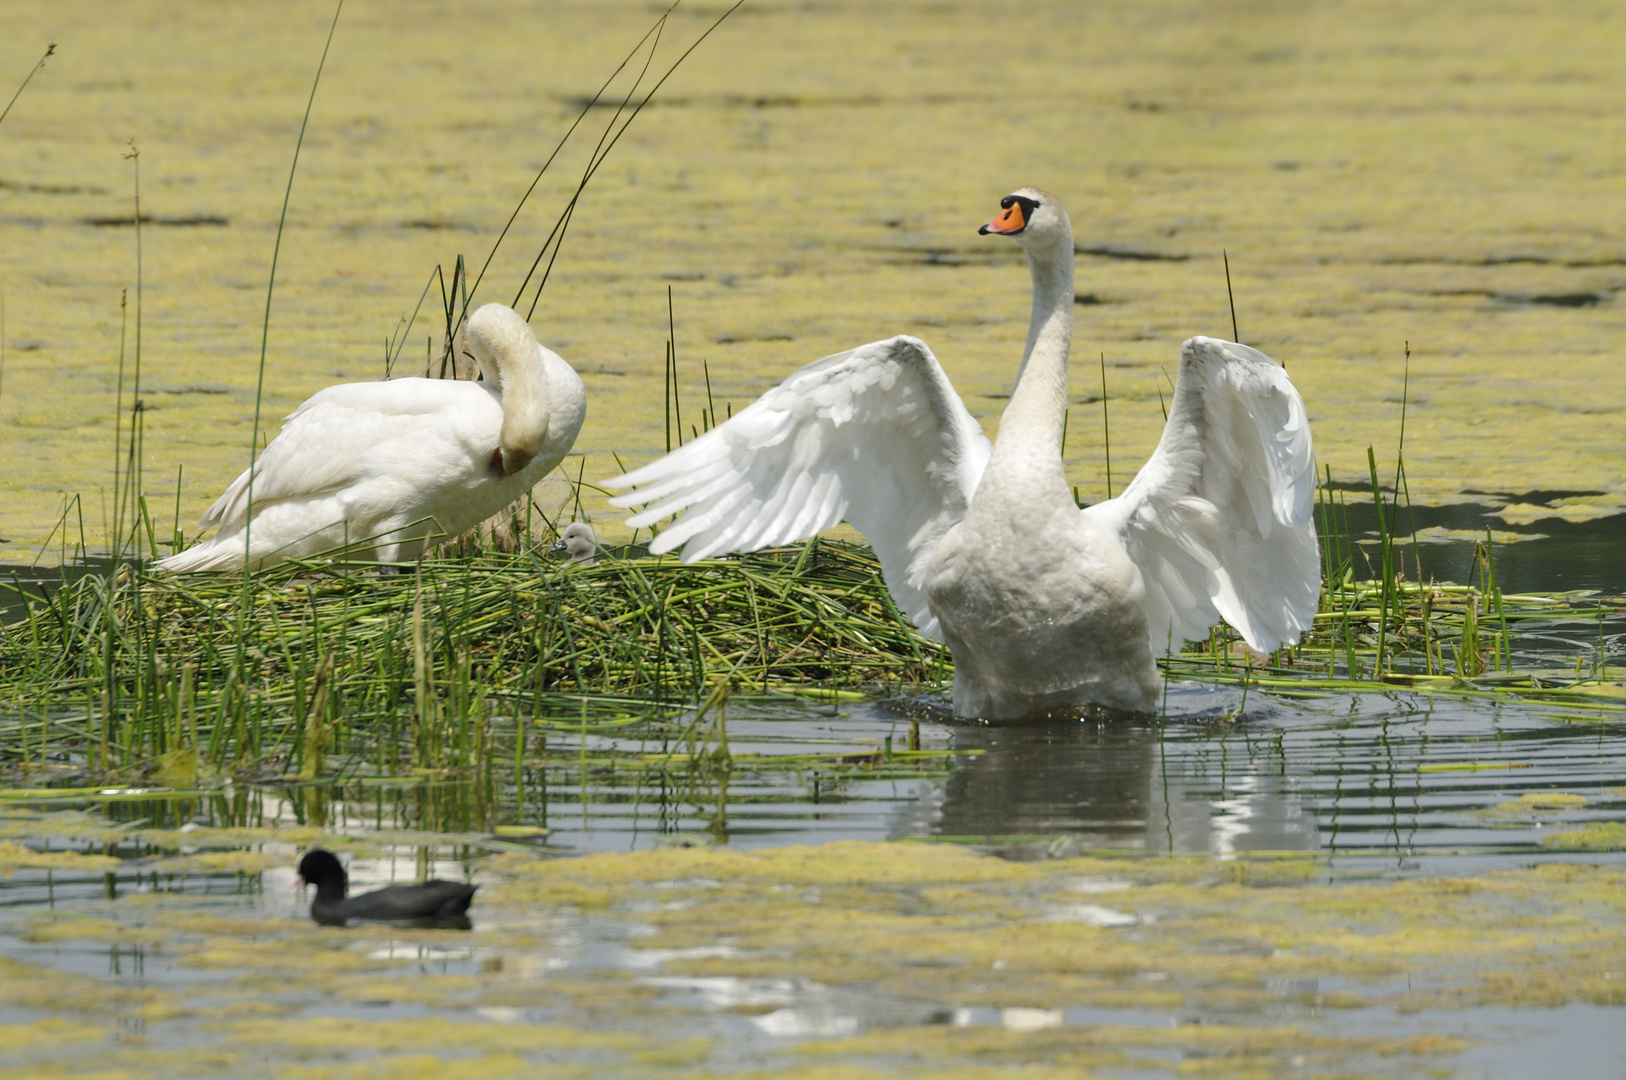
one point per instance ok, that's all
(1361, 209)
(1594, 836)
(846, 959)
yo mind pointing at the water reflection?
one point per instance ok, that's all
(1067, 785)
(1407, 778)
(1404, 776)
(1562, 555)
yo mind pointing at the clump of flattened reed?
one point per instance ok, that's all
(278, 672)
(340, 666)
(331, 663)
(408, 670)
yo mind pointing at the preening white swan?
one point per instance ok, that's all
(1043, 605)
(389, 466)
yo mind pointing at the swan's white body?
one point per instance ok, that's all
(387, 467)
(1043, 605)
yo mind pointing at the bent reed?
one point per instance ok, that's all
(413, 670)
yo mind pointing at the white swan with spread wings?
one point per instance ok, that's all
(1044, 606)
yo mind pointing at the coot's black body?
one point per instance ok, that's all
(434, 902)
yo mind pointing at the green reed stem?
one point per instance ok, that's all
(1388, 560)
(1106, 424)
(1236, 335)
(38, 67)
(271, 283)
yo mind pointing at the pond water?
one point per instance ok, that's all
(197, 935)
(1390, 783)
(1545, 555)
(189, 931)
(161, 934)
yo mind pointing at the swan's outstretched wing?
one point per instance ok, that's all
(1219, 520)
(875, 436)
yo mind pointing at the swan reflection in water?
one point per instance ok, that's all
(1104, 780)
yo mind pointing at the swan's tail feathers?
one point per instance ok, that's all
(330, 541)
(212, 554)
(233, 502)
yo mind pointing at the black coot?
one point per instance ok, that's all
(439, 903)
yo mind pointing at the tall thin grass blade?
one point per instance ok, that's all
(610, 145)
(270, 287)
(38, 67)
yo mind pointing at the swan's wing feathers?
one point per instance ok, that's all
(875, 436)
(349, 433)
(1220, 519)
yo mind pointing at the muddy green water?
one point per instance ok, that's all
(1443, 174)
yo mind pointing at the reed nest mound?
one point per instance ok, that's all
(266, 673)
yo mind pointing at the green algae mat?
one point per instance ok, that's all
(846, 960)
(1444, 174)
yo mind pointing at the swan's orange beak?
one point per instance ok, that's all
(1009, 221)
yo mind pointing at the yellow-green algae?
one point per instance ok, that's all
(14, 856)
(208, 848)
(1225, 1051)
(315, 1034)
(1595, 836)
(36, 987)
(432, 1067)
(1534, 803)
(1232, 942)
(45, 1034)
(1378, 173)
(1014, 937)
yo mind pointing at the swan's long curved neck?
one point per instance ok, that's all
(1030, 431)
(506, 347)
(524, 410)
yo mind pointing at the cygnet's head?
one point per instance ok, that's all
(1033, 218)
(578, 541)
